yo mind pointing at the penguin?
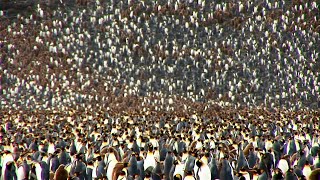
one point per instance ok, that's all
(89, 170)
(163, 152)
(133, 168)
(255, 173)
(54, 162)
(157, 171)
(267, 163)
(168, 163)
(21, 172)
(64, 157)
(306, 170)
(6, 157)
(177, 177)
(111, 160)
(291, 147)
(252, 158)
(190, 162)
(226, 171)
(178, 169)
(242, 161)
(290, 175)
(202, 171)
(99, 170)
(61, 173)
(150, 160)
(42, 170)
(298, 171)
(79, 167)
(26, 168)
(214, 168)
(140, 165)
(302, 159)
(283, 165)
(263, 175)
(9, 171)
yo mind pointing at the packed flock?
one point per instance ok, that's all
(160, 90)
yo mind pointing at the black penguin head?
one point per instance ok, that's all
(199, 163)
(177, 177)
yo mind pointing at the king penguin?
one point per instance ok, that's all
(150, 160)
(290, 175)
(168, 162)
(283, 165)
(202, 170)
(226, 171)
(9, 171)
(133, 168)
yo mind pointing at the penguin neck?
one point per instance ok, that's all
(204, 161)
(150, 153)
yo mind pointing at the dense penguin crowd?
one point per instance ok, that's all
(226, 144)
(115, 90)
(235, 53)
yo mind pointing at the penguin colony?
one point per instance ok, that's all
(160, 90)
(106, 54)
(220, 143)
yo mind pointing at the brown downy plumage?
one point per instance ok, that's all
(315, 174)
(61, 173)
(118, 170)
(247, 148)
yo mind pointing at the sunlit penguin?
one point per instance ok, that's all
(178, 169)
(150, 159)
(6, 157)
(283, 165)
(110, 161)
(306, 170)
(24, 170)
(202, 170)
